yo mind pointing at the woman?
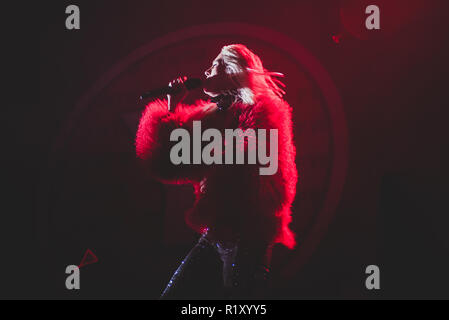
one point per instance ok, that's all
(240, 213)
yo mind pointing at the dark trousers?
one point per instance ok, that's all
(215, 270)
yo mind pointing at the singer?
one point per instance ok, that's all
(239, 213)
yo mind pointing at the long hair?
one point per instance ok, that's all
(254, 79)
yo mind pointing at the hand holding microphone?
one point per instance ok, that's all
(189, 83)
(212, 85)
(178, 94)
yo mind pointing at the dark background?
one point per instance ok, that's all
(393, 83)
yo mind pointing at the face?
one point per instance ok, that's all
(216, 75)
(216, 68)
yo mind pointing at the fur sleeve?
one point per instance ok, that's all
(153, 143)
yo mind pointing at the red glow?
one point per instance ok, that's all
(89, 258)
(337, 38)
(394, 15)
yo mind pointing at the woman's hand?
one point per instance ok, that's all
(180, 92)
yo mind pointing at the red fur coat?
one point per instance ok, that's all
(231, 200)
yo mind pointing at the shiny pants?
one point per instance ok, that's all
(214, 270)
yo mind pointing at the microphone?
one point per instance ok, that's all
(190, 84)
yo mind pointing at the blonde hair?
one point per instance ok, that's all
(253, 79)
